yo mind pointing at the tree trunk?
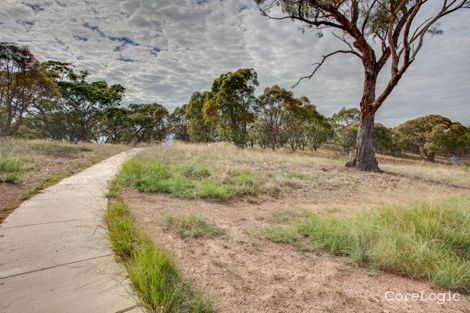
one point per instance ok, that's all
(365, 155)
(364, 159)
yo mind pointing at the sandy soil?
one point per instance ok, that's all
(244, 273)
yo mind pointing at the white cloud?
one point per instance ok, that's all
(164, 50)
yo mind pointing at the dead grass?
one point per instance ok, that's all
(221, 171)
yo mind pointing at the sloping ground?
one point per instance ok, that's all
(244, 272)
(27, 166)
(54, 253)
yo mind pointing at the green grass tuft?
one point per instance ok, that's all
(11, 169)
(186, 181)
(151, 269)
(194, 226)
(430, 241)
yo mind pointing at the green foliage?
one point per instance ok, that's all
(150, 268)
(231, 100)
(346, 117)
(194, 226)
(199, 129)
(178, 124)
(384, 140)
(23, 84)
(76, 115)
(135, 124)
(424, 240)
(432, 134)
(147, 123)
(345, 137)
(304, 126)
(115, 123)
(271, 108)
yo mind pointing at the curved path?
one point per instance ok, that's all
(54, 255)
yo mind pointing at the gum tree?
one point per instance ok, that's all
(385, 35)
(23, 83)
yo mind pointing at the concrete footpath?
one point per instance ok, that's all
(54, 255)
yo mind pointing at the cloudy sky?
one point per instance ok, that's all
(163, 50)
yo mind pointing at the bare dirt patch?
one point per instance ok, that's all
(244, 273)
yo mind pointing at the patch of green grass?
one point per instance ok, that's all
(243, 178)
(150, 268)
(197, 171)
(194, 226)
(11, 169)
(186, 181)
(430, 241)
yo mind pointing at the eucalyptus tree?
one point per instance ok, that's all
(198, 127)
(230, 104)
(23, 83)
(177, 123)
(77, 114)
(271, 109)
(382, 34)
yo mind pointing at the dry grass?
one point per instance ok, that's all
(424, 240)
(317, 179)
(245, 272)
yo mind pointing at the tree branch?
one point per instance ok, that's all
(319, 64)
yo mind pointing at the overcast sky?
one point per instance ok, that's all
(163, 50)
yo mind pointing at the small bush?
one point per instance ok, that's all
(426, 240)
(194, 226)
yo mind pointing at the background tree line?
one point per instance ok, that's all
(52, 100)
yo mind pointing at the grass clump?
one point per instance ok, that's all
(11, 169)
(430, 241)
(151, 269)
(194, 226)
(193, 180)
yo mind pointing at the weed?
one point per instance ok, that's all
(194, 226)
